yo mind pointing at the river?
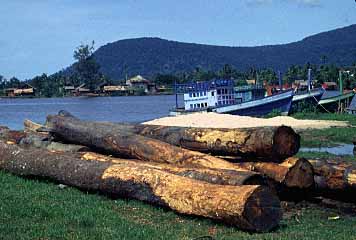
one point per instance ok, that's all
(114, 109)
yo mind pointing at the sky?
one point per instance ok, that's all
(39, 36)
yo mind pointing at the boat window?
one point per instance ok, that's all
(198, 105)
(194, 95)
(206, 104)
(204, 93)
(191, 106)
(219, 91)
(212, 93)
(190, 94)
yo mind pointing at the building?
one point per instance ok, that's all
(26, 90)
(209, 94)
(140, 83)
(352, 108)
(331, 86)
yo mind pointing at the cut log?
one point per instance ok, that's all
(263, 142)
(273, 143)
(215, 176)
(293, 172)
(129, 145)
(13, 136)
(60, 147)
(334, 174)
(249, 207)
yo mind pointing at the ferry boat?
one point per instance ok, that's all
(220, 96)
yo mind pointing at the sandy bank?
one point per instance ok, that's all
(215, 120)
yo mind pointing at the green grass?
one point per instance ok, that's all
(330, 136)
(32, 209)
(320, 155)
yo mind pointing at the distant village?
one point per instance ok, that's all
(137, 85)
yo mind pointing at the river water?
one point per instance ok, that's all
(114, 109)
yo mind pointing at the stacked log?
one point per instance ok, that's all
(335, 179)
(249, 207)
(115, 140)
(214, 176)
(276, 143)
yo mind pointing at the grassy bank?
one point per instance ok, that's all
(32, 209)
(330, 136)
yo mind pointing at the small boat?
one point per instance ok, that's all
(219, 96)
(334, 101)
(306, 98)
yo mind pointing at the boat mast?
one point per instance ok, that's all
(309, 79)
(280, 80)
(175, 91)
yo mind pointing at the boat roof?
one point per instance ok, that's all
(203, 85)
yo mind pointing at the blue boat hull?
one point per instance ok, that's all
(264, 106)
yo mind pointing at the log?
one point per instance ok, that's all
(13, 136)
(273, 143)
(263, 142)
(336, 174)
(249, 207)
(126, 144)
(335, 179)
(214, 176)
(293, 172)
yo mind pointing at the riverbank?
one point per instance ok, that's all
(40, 209)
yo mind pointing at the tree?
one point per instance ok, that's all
(86, 67)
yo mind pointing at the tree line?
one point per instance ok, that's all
(86, 71)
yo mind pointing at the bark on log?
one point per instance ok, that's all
(214, 176)
(293, 172)
(335, 174)
(13, 136)
(335, 179)
(248, 207)
(264, 142)
(276, 143)
(126, 144)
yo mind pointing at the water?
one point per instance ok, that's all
(345, 149)
(114, 109)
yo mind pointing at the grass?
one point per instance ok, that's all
(33, 209)
(330, 136)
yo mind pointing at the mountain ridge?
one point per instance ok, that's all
(148, 56)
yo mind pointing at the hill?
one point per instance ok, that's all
(149, 56)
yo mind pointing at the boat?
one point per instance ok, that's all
(304, 99)
(335, 101)
(219, 96)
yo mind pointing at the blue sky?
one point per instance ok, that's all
(39, 36)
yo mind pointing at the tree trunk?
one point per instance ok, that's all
(214, 176)
(335, 179)
(293, 172)
(275, 143)
(124, 143)
(249, 207)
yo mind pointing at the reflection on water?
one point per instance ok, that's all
(114, 109)
(345, 149)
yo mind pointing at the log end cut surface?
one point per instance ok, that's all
(286, 142)
(263, 210)
(300, 174)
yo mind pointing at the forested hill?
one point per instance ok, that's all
(149, 56)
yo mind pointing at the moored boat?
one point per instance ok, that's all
(220, 96)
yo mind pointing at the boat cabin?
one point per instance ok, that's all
(207, 95)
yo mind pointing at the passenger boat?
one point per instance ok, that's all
(220, 96)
